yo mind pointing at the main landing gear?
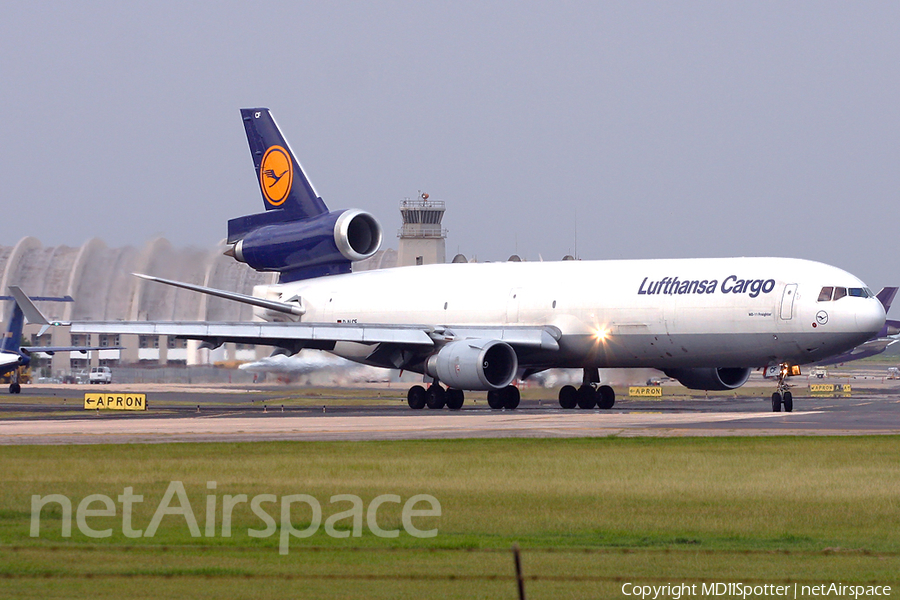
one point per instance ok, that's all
(436, 397)
(589, 395)
(507, 398)
(781, 396)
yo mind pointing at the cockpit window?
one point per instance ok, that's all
(830, 293)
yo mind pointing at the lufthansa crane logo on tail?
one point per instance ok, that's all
(275, 175)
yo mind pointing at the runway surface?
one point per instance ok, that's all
(206, 415)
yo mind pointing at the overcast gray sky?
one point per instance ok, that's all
(669, 129)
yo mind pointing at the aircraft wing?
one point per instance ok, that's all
(392, 345)
(878, 345)
(870, 348)
(321, 335)
(269, 334)
(294, 335)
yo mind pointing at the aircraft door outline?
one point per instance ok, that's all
(787, 301)
(512, 305)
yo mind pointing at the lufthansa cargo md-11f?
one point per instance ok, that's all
(705, 322)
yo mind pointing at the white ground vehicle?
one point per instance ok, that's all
(100, 375)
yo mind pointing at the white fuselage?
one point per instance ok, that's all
(8, 361)
(731, 312)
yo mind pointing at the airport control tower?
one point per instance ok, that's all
(422, 239)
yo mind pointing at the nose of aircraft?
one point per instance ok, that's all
(870, 316)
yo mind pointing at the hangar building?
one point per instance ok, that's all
(100, 280)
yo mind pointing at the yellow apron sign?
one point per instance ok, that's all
(115, 401)
(829, 388)
(645, 391)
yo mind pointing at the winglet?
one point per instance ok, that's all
(28, 308)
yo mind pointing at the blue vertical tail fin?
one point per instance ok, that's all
(281, 178)
(13, 336)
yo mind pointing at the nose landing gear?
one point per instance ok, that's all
(782, 396)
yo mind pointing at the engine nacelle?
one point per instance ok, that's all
(474, 364)
(712, 379)
(321, 245)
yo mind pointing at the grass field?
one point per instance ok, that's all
(589, 515)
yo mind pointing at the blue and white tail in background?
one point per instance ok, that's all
(12, 356)
(12, 337)
(297, 236)
(23, 306)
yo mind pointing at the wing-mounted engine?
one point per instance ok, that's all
(712, 379)
(474, 364)
(300, 249)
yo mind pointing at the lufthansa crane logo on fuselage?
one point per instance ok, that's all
(275, 175)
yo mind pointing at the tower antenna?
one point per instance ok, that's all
(575, 233)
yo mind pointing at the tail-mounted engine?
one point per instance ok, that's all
(297, 236)
(322, 245)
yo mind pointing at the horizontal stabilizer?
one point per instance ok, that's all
(55, 349)
(44, 298)
(284, 307)
(30, 311)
